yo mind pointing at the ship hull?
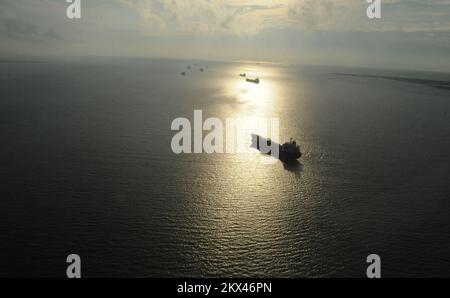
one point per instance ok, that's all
(283, 155)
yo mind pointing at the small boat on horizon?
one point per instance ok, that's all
(254, 81)
(242, 75)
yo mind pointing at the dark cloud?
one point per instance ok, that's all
(22, 30)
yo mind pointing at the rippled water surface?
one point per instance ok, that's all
(86, 167)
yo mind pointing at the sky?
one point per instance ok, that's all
(411, 34)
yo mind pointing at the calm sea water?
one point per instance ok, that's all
(86, 167)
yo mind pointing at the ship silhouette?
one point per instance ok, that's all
(288, 151)
(254, 81)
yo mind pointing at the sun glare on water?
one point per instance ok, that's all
(255, 99)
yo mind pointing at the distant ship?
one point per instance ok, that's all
(254, 81)
(287, 152)
(242, 75)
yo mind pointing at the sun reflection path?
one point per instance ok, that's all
(257, 99)
(248, 203)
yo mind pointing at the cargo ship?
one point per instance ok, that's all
(288, 151)
(254, 81)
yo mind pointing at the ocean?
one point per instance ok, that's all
(86, 167)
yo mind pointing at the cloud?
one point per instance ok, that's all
(305, 31)
(18, 29)
(240, 16)
(250, 17)
(29, 23)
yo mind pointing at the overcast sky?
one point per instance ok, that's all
(412, 34)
